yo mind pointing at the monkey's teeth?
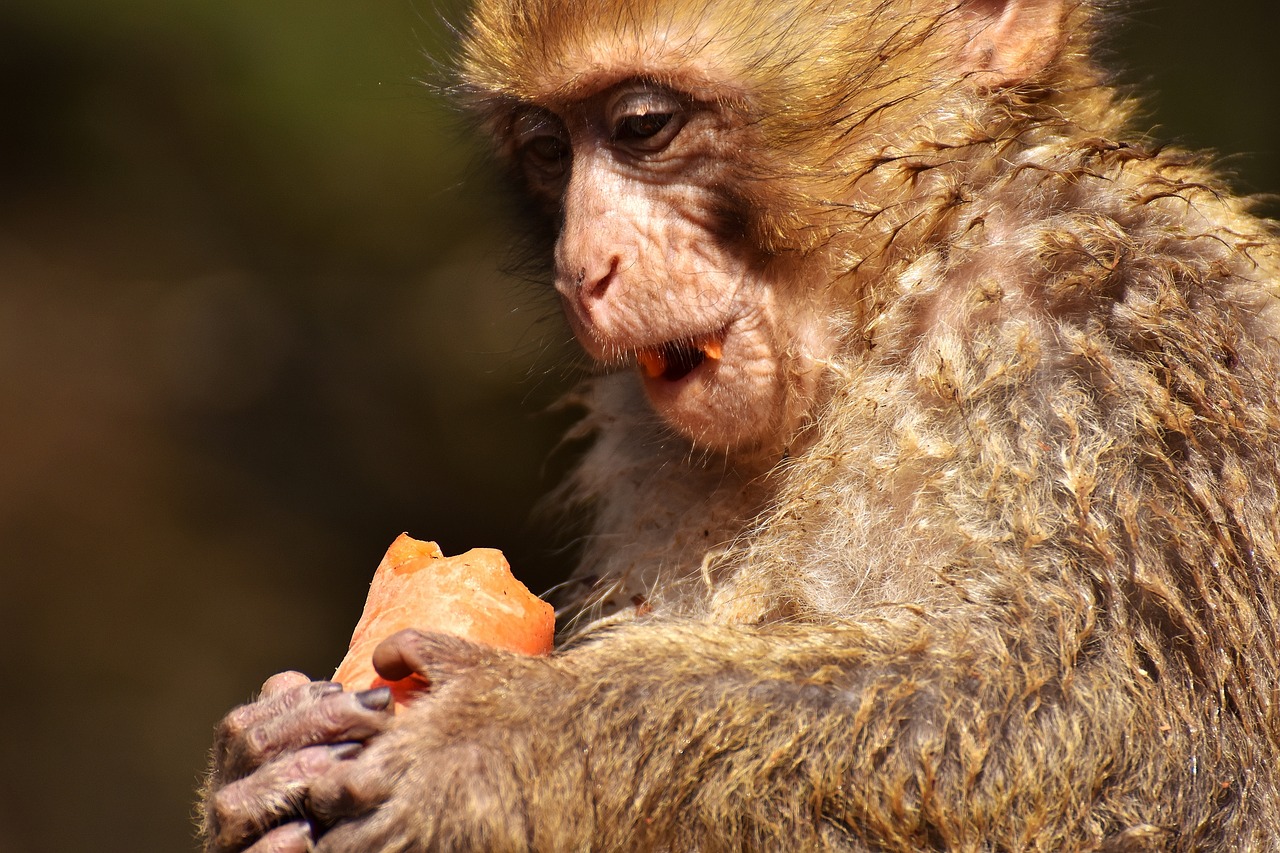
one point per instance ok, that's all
(652, 362)
(674, 360)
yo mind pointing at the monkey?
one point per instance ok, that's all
(933, 480)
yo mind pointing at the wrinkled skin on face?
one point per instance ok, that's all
(653, 268)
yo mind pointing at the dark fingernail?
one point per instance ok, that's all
(346, 750)
(377, 699)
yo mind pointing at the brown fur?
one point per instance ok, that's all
(1010, 583)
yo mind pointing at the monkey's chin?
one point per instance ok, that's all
(717, 404)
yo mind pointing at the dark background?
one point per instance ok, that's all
(253, 325)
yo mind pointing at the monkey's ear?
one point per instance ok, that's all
(1010, 41)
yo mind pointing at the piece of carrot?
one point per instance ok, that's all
(472, 595)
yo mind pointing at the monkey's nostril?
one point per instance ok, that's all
(594, 291)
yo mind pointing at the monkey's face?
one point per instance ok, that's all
(653, 265)
(710, 185)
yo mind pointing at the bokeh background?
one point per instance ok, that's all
(254, 324)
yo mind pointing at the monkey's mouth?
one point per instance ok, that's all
(675, 360)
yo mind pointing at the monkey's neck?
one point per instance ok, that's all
(658, 508)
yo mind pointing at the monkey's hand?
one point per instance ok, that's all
(452, 772)
(268, 753)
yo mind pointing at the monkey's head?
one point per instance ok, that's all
(717, 172)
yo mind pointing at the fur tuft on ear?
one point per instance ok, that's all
(1010, 41)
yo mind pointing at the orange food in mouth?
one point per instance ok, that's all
(675, 360)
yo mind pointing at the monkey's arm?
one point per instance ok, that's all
(692, 736)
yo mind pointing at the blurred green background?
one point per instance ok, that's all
(253, 325)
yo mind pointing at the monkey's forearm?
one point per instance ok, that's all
(850, 737)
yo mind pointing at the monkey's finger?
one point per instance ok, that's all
(432, 656)
(282, 682)
(279, 694)
(360, 835)
(290, 838)
(331, 716)
(236, 739)
(350, 789)
(241, 810)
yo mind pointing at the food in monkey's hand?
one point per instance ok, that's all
(472, 595)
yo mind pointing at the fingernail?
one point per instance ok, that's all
(377, 699)
(346, 750)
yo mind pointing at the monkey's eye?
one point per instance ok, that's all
(644, 126)
(549, 149)
(541, 144)
(645, 121)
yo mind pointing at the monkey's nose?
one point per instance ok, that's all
(590, 291)
(587, 289)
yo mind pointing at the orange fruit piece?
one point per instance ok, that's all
(472, 595)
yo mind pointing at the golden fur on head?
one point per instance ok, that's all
(834, 91)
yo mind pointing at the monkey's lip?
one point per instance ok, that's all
(675, 360)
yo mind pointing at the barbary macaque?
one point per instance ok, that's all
(935, 463)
